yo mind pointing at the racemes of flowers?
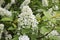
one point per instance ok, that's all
(1, 2)
(24, 37)
(45, 2)
(26, 19)
(25, 25)
(9, 4)
(4, 12)
(1, 29)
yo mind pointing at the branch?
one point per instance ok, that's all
(46, 33)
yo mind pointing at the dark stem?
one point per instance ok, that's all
(40, 37)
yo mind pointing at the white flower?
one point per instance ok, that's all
(53, 33)
(4, 12)
(55, 7)
(1, 29)
(1, 26)
(12, 1)
(55, 1)
(50, 11)
(24, 37)
(8, 6)
(45, 2)
(1, 2)
(27, 9)
(25, 3)
(8, 37)
(27, 19)
(0, 35)
(39, 10)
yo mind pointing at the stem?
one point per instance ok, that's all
(46, 34)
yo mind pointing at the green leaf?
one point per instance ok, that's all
(58, 29)
(6, 19)
(44, 18)
(24, 31)
(45, 30)
(11, 28)
(48, 15)
(15, 38)
(53, 20)
(14, 25)
(38, 17)
(33, 37)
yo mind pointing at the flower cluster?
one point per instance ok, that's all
(9, 4)
(53, 33)
(4, 12)
(7, 36)
(12, 1)
(1, 2)
(55, 7)
(24, 37)
(45, 2)
(27, 19)
(1, 29)
(51, 12)
(25, 3)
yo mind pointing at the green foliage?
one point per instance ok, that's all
(15, 37)
(43, 17)
(6, 19)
